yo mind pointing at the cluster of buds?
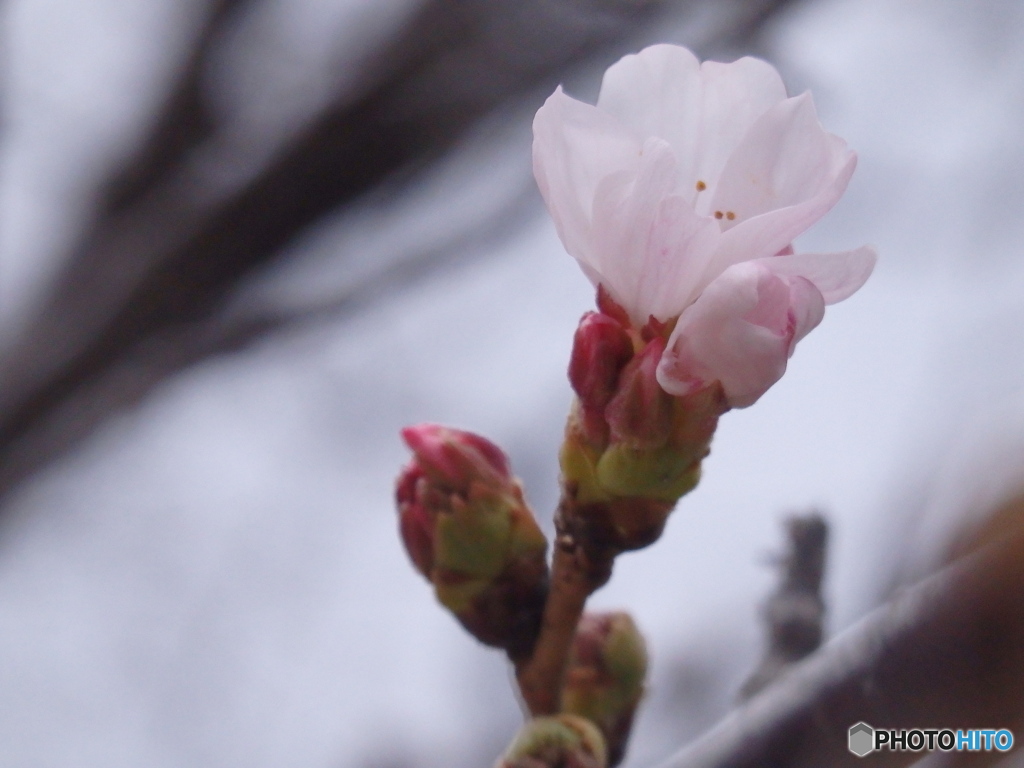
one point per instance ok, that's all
(605, 679)
(631, 449)
(468, 530)
(562, 741)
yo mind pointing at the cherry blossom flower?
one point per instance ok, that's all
(681, 193)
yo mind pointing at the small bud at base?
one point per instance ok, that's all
(562, 741)
(605, 679)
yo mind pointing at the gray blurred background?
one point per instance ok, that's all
(243, 242)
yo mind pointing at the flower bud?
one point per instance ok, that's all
(467, 529)
(454, 458)
(605, 679)
(640, 413)
(416, 524)
(601, 347)
(562, 741)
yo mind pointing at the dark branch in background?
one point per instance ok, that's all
(170, 244)
(794, 614)
(184, 121)
(946, 653)
(144, 291)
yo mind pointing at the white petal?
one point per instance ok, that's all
(740, 331)
(678, 249)
(836, 275)
(657, 92)
(735, 97)
(787, 173)
(575, 146)
(703, 111)
(649, 245)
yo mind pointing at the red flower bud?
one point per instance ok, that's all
(467, 529)
(600, 349)
(454, 458)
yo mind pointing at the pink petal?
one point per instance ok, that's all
(806, 310)
(836, 275)
(787, 173)
(575, 147)
(740, 331)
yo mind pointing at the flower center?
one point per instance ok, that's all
(701, 186)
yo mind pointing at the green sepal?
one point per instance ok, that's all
(665, 473)
(473, 538)
(625, 656)
(457, 592)
(579, 467)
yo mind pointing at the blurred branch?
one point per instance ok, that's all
(136, 373)
(227, 334)
(947, 653)
(144, 291)
(174, 238)
(182, 123)
(794, 613)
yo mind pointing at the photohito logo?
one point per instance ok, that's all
(862, 739)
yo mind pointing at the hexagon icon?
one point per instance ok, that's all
(861, 739)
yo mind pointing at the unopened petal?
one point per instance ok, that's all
(740, 332)
(806, 310)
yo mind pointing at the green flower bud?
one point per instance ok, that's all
(605, 679)
(562, 741)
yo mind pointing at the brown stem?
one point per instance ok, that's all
(577, 569)
(541, 677)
